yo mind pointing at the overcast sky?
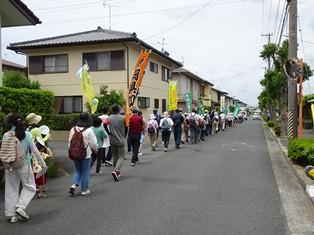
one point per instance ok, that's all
(219, 40)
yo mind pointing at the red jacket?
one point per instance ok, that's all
(136, 124)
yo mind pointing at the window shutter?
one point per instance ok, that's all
(36, 65)
(91, 60)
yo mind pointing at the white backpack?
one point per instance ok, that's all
(12, 151)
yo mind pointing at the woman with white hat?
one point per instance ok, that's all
(165, 124)
(152, 127)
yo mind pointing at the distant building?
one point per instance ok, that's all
(111, 56)
(188, 82)
(14, 13)
(11, 66)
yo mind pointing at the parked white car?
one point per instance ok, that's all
(256, 116)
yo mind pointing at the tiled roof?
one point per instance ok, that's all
(12, 64)
(99, 35)
(183, 70)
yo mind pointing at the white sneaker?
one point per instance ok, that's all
(165, 149)
(15, 218)
(21, 213)
(84, 193)
(140, 154)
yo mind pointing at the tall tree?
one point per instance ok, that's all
(275, 93)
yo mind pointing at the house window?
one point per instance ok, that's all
(48, 64)
(165, 74)
(164, 105)
(108, 60)
(156, 103)
(68, 104)
(153, 67)
(143, 102)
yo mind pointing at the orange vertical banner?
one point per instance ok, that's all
(135, 82)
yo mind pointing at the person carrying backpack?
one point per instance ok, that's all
(193, 127)
(165, 125)
(20, 171)
(152, 127)
(101, 135)
(178, 120)
(82, 141)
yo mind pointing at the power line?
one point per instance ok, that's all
(128, 14)
(181, 21)
(283, 24)
(302, 44)
(77, 5)
(277, 16)
(138, 13)
(240, 73)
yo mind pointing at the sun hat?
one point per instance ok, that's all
(32, 119)
(41, 141)
(44, 130)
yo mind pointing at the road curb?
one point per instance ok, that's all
(306, 182)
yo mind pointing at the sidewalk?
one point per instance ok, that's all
(306, 182)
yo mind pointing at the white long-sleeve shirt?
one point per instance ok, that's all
(168, 120)
(90, 140)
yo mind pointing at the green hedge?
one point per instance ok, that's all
(307, 124)
(25, 101)
(270, 124)
(301, 151)
(60, 121)
(1, 124)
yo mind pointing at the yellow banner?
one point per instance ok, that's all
(87, 88)
(172, 95)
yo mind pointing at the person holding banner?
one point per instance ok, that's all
(136, 128)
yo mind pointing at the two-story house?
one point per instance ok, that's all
(188, 82)
(111, 56)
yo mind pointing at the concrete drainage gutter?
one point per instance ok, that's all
(306, 182)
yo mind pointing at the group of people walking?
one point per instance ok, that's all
(101, 140)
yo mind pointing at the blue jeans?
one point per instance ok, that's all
(193, 135)
(81, 175)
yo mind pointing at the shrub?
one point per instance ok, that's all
(1, 125)
(307, 124)
(16, 79)
(301, 151)
(25, 101)
(60, 121)
(108, 98)
(270, 124)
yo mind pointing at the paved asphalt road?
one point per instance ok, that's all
(223, 186)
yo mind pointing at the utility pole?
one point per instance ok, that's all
(292, 83)
(268, 35)
(162, 44)
(106, 3)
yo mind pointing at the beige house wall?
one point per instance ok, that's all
(214, 95)
(208, 95)
(67, 84)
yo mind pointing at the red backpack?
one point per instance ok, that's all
(77, 149)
